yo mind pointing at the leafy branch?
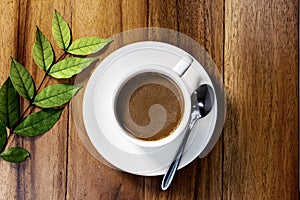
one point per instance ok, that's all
(52, 99)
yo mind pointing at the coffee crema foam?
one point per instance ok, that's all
(149, 106)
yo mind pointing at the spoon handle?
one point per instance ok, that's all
(168, 177)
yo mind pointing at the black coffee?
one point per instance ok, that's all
(149, 106)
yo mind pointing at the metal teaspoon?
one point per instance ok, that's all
(202, 101)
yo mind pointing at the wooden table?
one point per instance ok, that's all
(254, 43)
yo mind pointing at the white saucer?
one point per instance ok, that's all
(98, 116)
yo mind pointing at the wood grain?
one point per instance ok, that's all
(205, 24)
(261, 69)
(194, 181)
(255, 47)
(47, 163)
(89, 179)
(8, 42)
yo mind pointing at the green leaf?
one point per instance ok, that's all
(9, 104)
(86, 46)
(42, 51)
(55, 95)
(70, 67)
(21, 80)
(14, 154)
(38, 123)
(3, 135)
(61, 31)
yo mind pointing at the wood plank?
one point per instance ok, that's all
(163, 14)
(134, 14)
(47, 164)
(8, 43)
(43, 175)
(261, 69)
(87, 177)
(203, 22)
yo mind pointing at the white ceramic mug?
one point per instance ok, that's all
(175, 74)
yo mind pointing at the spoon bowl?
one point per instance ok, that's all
(205, 98)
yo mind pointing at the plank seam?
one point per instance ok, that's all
(68, 123)
(223, 76)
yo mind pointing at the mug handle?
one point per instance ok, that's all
(188, 74)
(181, 67)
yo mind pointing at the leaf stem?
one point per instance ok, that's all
(10, 138)
(62, 56)
(20, 119)
(25, 111)
(38, 89)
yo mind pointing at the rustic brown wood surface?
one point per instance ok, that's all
(254, 43)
